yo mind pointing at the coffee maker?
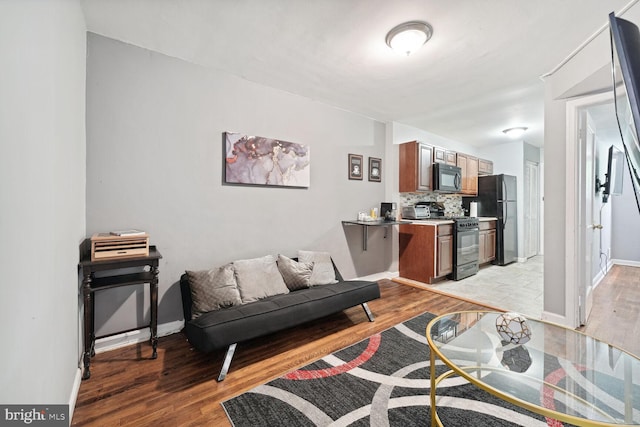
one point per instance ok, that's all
(388, 211)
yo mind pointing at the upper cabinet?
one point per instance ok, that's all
(415, 167)
(469, 168)
(485, 167)
(440, 155)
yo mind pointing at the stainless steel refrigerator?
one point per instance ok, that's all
(497, 198)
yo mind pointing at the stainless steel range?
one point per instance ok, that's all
(465, 247)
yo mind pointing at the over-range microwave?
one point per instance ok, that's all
(447, 178)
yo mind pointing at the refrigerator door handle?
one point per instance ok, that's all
(503, 213)
(505, 196)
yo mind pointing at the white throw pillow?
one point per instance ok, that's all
(323, 272)
(296, 275)
(212, 289)
(258, 278)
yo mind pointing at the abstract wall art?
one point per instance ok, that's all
(256, 160)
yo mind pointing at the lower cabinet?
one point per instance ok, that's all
(487, 241)
(444, 253)
(426, 251)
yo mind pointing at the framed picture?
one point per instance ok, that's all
(355, 166)
(375, 169)
(256, 160)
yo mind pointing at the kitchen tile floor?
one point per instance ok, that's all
(515, 287)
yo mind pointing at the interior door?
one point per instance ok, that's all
(531, 209)
(510, 232)
(587, 150)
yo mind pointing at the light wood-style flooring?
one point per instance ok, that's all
(179, 388)
(615, 316)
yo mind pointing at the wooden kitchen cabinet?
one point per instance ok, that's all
(444, 252)
(487, 242)
(426, 251)
(485, 167)
(440, 155)
(415, 167)
(469, 168)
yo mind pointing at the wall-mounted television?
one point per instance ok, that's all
(625, 64)
(615, 168)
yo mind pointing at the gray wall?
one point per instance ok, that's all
(554, 204)
(42, 183)
(154, 162)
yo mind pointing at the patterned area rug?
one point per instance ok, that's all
(382, 381)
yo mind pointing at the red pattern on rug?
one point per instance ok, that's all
(374, 344)
(548, 400)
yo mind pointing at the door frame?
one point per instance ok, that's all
(587, 197)
(574, 234)
(535, 197)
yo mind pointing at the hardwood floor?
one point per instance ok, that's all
(179, 388)
(614, 317)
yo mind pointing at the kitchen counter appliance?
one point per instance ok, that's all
(466, 247)
(418, 211)
(424, 210)
(447, 178)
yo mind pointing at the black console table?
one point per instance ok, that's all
(91, 284)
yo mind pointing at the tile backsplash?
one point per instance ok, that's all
(452, 202)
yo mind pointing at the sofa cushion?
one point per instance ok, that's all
(221, 328)
(296, 275)
(212, 289)
(323, 272)
(258, 278)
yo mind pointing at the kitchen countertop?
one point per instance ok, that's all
(434, 221)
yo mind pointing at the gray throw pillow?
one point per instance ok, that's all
(212, 290)
(296, 275)
(258, 278)
(323, 272)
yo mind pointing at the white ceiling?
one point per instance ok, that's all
(479, 74)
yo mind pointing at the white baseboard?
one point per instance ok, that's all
(625, 262)
(378, 276)
(555, 318)
(74, 393)
(134, 337)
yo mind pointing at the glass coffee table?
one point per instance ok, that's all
(559, 373)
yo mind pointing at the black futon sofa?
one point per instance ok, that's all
(226, 327)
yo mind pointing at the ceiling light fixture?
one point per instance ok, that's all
(515, 132)
(408, 37)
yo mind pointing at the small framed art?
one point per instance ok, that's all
(355, 166)
(375, 169)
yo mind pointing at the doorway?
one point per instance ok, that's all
(580, 192)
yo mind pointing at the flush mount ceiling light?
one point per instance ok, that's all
(515, 132)
(408, 37)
